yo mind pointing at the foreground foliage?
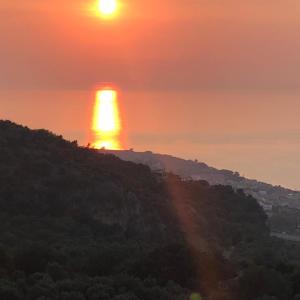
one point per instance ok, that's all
(76, 224)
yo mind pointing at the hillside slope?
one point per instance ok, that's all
(282, 205)
(80, 225)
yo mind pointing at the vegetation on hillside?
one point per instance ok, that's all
(79, 225)
(281, 204)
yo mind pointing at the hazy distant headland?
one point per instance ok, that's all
(228, 129)
(281, 204)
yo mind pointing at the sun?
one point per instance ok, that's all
(107, 7)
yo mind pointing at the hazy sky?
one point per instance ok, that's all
(169, 44)
(213, 80)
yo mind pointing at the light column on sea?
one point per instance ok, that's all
(106, 125)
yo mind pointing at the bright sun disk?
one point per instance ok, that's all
(107, 7)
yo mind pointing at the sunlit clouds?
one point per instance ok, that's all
(106, 125)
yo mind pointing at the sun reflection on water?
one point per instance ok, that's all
(106, 125)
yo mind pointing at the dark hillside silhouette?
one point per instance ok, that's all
(80, 225)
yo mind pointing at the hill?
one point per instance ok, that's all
(80, 225)
(281, 205)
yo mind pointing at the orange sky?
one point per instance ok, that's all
(208, 79)
(151, 45)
